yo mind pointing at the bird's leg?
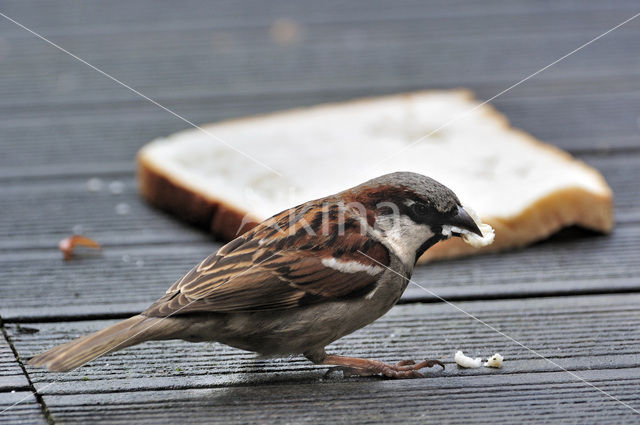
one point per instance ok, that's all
(365, 367)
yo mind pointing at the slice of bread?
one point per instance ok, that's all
(524, 188)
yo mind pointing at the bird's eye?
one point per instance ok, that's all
(419, 209)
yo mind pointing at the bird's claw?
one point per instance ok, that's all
(405, 369)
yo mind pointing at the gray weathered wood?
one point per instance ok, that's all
(243, 59)
(53, 210)
(126, 279)
(551, 398)
(52, 140)
(593, 336)
(81, 17)
(27, 412)
(11, 376)
(62, 112)
(578, 333)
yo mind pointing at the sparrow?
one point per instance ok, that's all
(300, 280)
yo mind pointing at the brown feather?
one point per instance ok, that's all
(278, 265)
(116, 337)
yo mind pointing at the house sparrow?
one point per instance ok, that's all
(299, 280)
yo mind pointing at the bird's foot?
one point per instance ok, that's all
(405, 369)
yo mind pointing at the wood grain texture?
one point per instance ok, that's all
(104, 140)
(55, 111)
(94, 136)
(246, 59)
(576, 332)
(593, 336)
(126, 279)
(53, 210)
(27, 412)
(246, 65)
(11, 376)
(549, 398)
(80, 17)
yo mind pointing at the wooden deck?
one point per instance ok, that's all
(572, 301)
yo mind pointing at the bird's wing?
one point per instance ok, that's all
(278, 269)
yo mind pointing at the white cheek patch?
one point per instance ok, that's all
(351, 266)
(403, 236)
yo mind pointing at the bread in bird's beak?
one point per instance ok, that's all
(470, 228)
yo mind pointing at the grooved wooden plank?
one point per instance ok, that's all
(126, 279)
(27, 412)
(101, 134)
(549, 398)
(95, 17)
(578, 333)
(249, 62)
(11, 376)
(593, 336)
(115, 214)
(567, 117)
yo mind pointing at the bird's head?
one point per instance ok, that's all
(413, 212)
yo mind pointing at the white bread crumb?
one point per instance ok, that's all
(488, 234)
(494, 361)
(467, 362)
(476, 241)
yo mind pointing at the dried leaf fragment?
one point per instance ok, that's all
(67, 245)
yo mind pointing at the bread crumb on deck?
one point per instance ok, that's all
(466, 362)
(494, 361)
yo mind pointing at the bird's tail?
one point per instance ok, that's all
(123, 334)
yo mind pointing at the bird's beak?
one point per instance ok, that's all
(464, 221)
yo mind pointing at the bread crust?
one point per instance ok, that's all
(222, 220)
(558, 209)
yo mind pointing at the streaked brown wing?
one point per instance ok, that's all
(251, 291)
(246, 275)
